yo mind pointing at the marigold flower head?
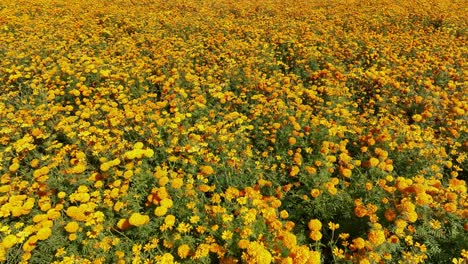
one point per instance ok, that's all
(294, 171)
(206, 170)
(166, 202)
(138, 145)
(345, 172)
(72, 227)
(292, 141)
(359, 243)
(14, 167)
(137, 219)
(373, 162)
(183, 251)
(9, 241)
(315, 235)
(44, 233)
(160, 211)
(315, 224)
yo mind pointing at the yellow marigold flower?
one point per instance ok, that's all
(34, 163)
(166, 202)
(206, 170)
(138, 145)
(284, 214)
(346, 172)
(315, 193)
(137, 219)
(76, 213)
(183, 251)
(373, 162)
(167, 258)
(314, 257)
(177, 183)
(149, 153)
(289, 239)
(226, 235)
(292, 141)
(5, 188)
(243, 243)
(61, 195)
(9, 241)
(163, 181)
(105, 166)
(14, 167)
(44, 233)
(130, 155)
(160, 211)
(169, 220)
(294, 171)
(376, 237)
(258, 253)
(358, 243)
(411, 216)
(72, 227)
(417, 118)
(315, 225)
(315, 235)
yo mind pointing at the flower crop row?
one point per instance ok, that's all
(233, 131)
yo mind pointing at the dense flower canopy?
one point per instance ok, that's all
(226, 131)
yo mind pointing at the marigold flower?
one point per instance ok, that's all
(9, 241)
(315, 235)
(417, 118)
(226, 235)
(183, 251)
(315, 193)
(376, 237)
(346, 172)
(373, 162)
(294, 171)
(166, 202)
(72, 227)
(292, 141)
(169, 220)
(360, 211)
(137, 219)
(206, 170)
(44, 233)
(177, 183)
(160, 211)
(138, 145)
(315, 224)
(359, 243)
(14, 167)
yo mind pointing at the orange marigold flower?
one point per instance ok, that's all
(359, 243)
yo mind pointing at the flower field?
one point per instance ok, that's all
(267, 131)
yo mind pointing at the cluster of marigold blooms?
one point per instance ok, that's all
(233, 131)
